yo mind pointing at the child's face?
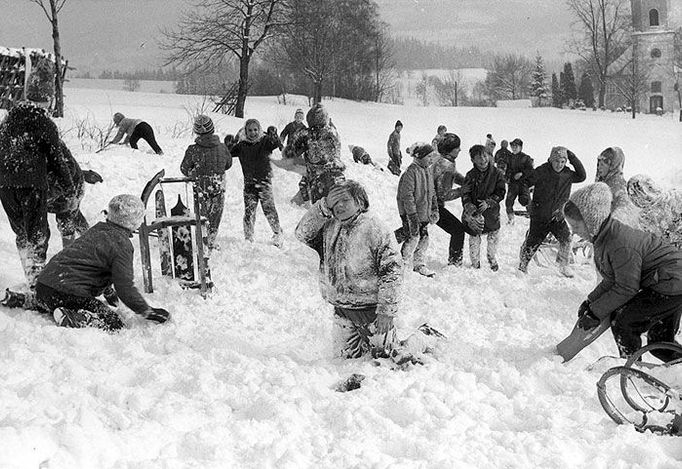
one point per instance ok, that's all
(515, 149)
(580, 228)
(345, 207)
(558, 163)
(252, 131)
(480, 161)
(602, 166)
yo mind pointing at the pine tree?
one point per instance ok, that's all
(568, 88)
(556, 91)
(538, 87)
(586, 91)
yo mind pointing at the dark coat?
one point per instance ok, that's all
(553, 189)
(290, 130)
(254, 158)
(630, 260)
(519, 163)
(485, 186)
(101, 256)
(207, 160)
(65, 199)
(29, 148)
(501, 158)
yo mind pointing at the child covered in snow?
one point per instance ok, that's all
(360, 268)
(482, 191)
(207, 160)
(552, 182)
(70, 282)
(660, 210)
(641, 286)
(254, 152)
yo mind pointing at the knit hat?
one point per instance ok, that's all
(126, 210)
(419, 150)
(643, 191)
(516, 141)
(118, 117)
(203, 125)
(448, 142)
(398, 123)
(317, 116)
(594, 203)
(558, 153)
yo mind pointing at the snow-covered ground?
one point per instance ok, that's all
(245, 378)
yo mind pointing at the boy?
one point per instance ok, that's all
(641, 287)
(134, 130)
(395, 157)
(519, 168)
(482, 191)
(289, 134)
(552, 182)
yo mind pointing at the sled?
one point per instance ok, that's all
(164, 239)
(296, 165)
(579, 338)
(181, 236)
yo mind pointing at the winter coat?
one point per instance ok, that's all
(622, 207)
(290, 130)
(393, 147)
(254, 158)
(660, 210)
(360, 265)
(30, 148)
(101, 256)
(323, 160)
(501, 158)
(126, 127)
(629, 260)
(485, 186)
(518, 163)
(207, 160)
(417, 194)
(445, 175)
(62, 199)
(553, 189)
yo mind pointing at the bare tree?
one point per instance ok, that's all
(633, 84)
(55, 6)
(509, 77)
(383, 64)
(213, 30)
(604, 35)
(449, 89)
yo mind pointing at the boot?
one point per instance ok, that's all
(510, 218)
(425, 271)
(13, 299)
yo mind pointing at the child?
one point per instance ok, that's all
(519, 168)
(69, 284)
(395, 157)
(440, 132)
(610, 163)
(418, 206)
(552, 182)
(254, 156)
(289, 134)
(482, 191)
(207, 160)
(134, 130)
(660, 210)
(641, 287)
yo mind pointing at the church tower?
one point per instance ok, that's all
(654, 23)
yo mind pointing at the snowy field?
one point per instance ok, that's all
(245, 378)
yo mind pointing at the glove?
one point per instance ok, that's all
(469, 208)
(413, 224)
(588, 321)
(483, 206)
(110, 295)
(159, 315)
(335, 194)
(383, 323)
(583, 308)
(92, 177)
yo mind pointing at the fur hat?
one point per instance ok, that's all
(126, 210)
(317, 116)
(516, 141)
(203, 125)
(557, 153)
(643, 191)
(118, 117)
(448, 143)
(419, 150)
(594, 203)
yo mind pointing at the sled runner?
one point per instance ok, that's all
(579, 338)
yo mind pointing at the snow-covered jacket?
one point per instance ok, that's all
(207, 160)
(416, 193)
(102, 256)
(501, 158)
(518, 163)
(126, 127)
(254, 158)
(60, 198)
(622, 207)
(360, 265)
(553, 189)
(660, 210)
(445, 175)
(393, 146)
(30, 148)
(485, 186)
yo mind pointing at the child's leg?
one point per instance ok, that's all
(422, 245)
(267, 202)
(534, 237)
(213, 209)
(250, 204)
(562, 233)
(475, 251)
(512, 192)
(493, 238)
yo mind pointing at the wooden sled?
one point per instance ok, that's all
(579, 338)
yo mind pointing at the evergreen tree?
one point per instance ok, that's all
(556, 91)
(538, 87)
(586, 91)
(568, 88)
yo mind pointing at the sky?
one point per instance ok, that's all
(123, 34)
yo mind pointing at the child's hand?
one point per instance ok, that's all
(517, 176)
(483, 206)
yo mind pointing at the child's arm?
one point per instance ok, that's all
(580, 174)
(310, 228)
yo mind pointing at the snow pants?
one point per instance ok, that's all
(456, 229)
(536, 234)
(475, 249)
(353, 333)
(415, 247)
(95, 314)
(145, 132)
(651, 312)
(26, 209)
(514, 190)
(212, 204)
(254, 192)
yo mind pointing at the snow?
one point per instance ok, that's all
(245, 378)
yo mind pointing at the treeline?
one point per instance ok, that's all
(413, 54)
(159, 74)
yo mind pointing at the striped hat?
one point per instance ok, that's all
(203, 125)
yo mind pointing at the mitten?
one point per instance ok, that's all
(335, 195)
(159, 315)
(588, 320)
(110, 295)
(91, 177)
(413, 224)
(469, 208)
(583, 308)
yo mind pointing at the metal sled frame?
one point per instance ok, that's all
(146, 230)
